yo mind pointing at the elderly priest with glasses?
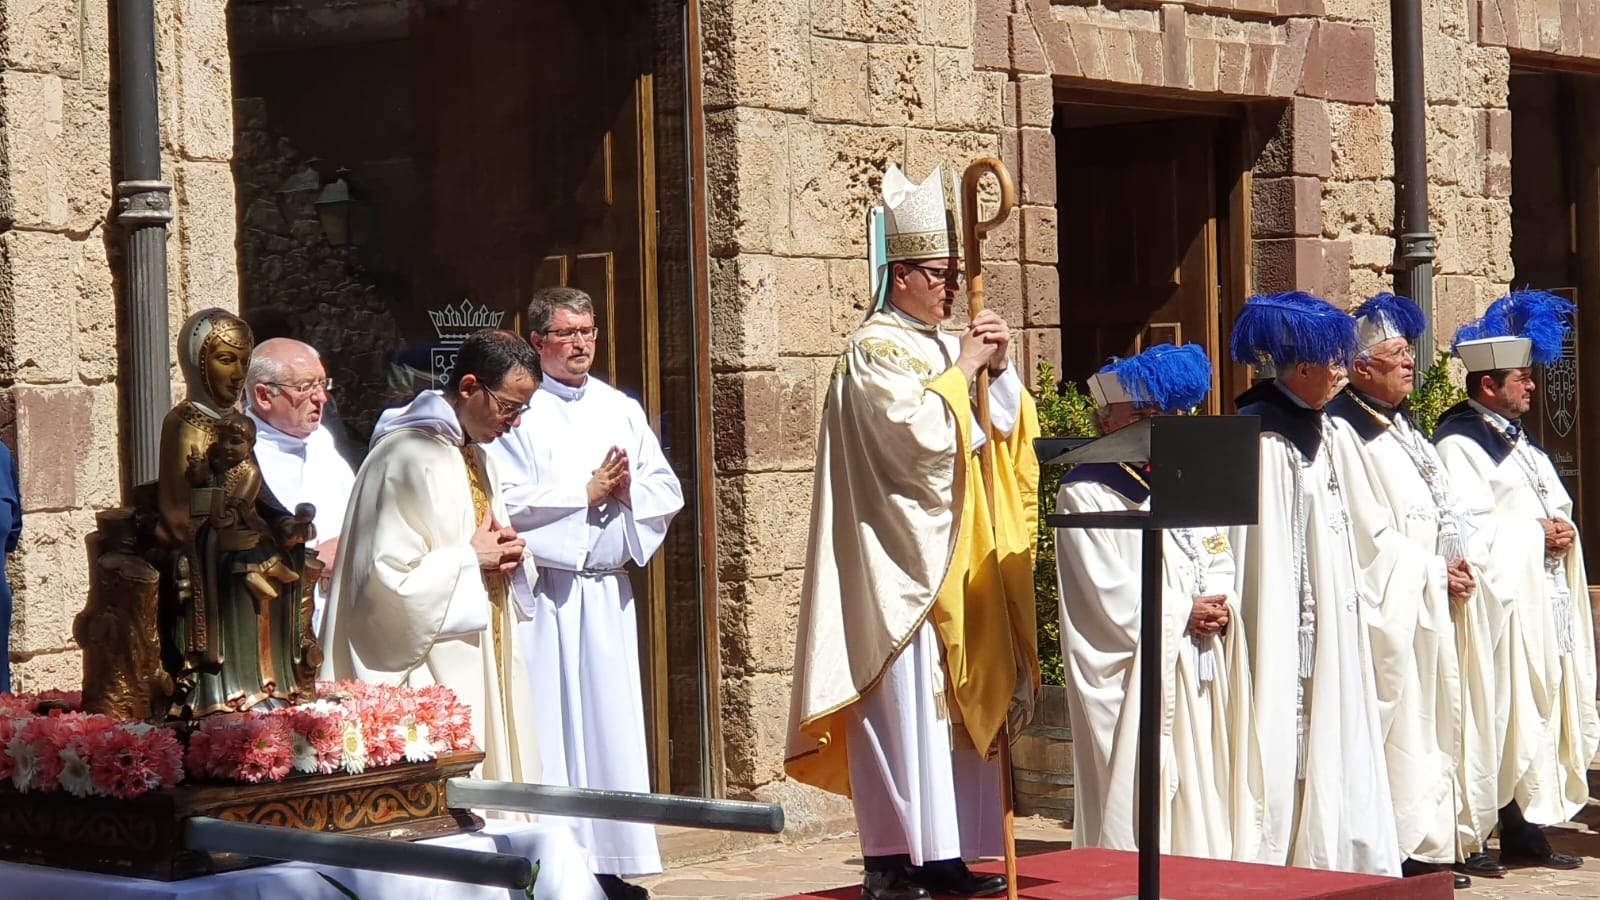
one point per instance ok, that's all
(287, 388)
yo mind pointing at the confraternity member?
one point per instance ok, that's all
(916, 614)
(1303, 611)
(1531, 567)
(1203, 661)
(1429, 640)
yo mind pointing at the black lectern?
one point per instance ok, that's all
(1204, 470)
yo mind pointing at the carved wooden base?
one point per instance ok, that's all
(144, 837)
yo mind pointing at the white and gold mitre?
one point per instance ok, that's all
(921, 221)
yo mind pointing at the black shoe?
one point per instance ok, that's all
(1411, 868)
(1482, 865)
(893, 884)
(952, 877)
(1528, 846)
(617, 889)
(1462, 882)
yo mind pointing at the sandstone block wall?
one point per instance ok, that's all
(61, 272)
(806, 101)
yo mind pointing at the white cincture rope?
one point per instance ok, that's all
(1308, 604)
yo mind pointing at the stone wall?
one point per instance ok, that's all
(292, 276)
(806, 102)
(60, 274)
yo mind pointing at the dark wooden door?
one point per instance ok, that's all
(1138, 256)
(536, 167)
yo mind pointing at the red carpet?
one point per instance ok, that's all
(1103, 874)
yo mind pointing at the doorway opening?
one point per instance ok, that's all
(1154, 228)
(409, 172)
(1555, 246)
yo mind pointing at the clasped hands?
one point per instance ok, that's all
(613, 479)
(498, 547)
(1462, 584)
(1209, 616)
(985, 344)
(1558, 536)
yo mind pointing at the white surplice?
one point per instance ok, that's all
(1544, 691)
(581, 634)
(409, 605)
(1203, 678)
(1431, 657)
(307, 470)
(1318, 766)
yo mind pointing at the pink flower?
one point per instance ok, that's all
(266, 753)
(35, 749)
(131, 760)
(322, 731)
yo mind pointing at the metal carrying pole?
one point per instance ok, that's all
(208, 835)
(627, 806)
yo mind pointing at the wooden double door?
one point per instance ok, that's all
(1143, 231)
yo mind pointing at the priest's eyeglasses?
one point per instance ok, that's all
(570, 335)
(937, 274)
(304, 388)
(507, 410)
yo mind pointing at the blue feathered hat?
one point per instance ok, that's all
(1527, 327)
(1385, 317)
(1164, 376)
(1292, 328)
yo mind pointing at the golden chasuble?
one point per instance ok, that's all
(496, 584)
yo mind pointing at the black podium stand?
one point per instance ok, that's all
(1204, 470)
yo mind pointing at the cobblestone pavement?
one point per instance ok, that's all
(788, 869)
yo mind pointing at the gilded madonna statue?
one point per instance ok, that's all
(237, 594)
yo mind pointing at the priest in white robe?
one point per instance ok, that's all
(916, 637)
(420, 590)
(1318, 764)
(1203, 662)
(588, 488)
(1532, 573)
(1430, 644)
(287, 388)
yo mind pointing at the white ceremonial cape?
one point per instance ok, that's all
(1432, 659)
(307, 470)
(916, 633)
(1318, 768)
(1206, 683)
(581, 638)
(408, 604)
(1544, 692)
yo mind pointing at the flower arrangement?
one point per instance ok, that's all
(47, 743)
(351, 727)
(85, 755)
